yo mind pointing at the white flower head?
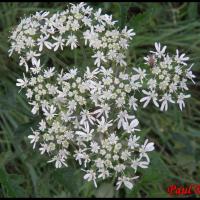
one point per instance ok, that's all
(89, 113)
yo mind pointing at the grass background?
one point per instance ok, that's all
(24, 173)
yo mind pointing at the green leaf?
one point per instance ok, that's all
(124, 7)
(192, 10)
(6, 184)
(105, 190)
(193, 132)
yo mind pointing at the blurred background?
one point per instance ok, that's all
(25, 173)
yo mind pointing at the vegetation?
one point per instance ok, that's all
(25, 173)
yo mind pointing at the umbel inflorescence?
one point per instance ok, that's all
(90, 115)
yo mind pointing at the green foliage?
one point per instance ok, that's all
(24, 173)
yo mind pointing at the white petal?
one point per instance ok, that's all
(128, 184)
(87, 176)
(150, 146)
(134, 123)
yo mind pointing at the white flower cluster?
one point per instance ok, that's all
(90, 116)
(89, 113)
(76, 26)
(168, 78)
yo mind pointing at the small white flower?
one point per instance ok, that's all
(23, 62)
(37, 68)
(44, 148)
(181, 59)
(43, 41)
(41, 15)
(49, 73)
(138, 163)
(123, 117)
(59, 161)
(31, 55)
(151, 95)
(113, 138)
(126, 181)
(94, 147)
(103, 125)
(141, 73)
(132, 103)
(99, 58)
(165, 99)
(29, 94)
(181, 98)
(128, 33)
(59, 42)
(189, 74)
(35, 107)
(42, 124)
(103, 173)
(106, 72)
(72, 41)
(86, 131)
(146, 147)
(125, 155)
(34, 138)
(91, 75)
(90, 176)
(79, 155)
(152, 84)
(129, 128)
(51, 113)
(104, 109)
(86, 115)
(22, 83)
(159, 51)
